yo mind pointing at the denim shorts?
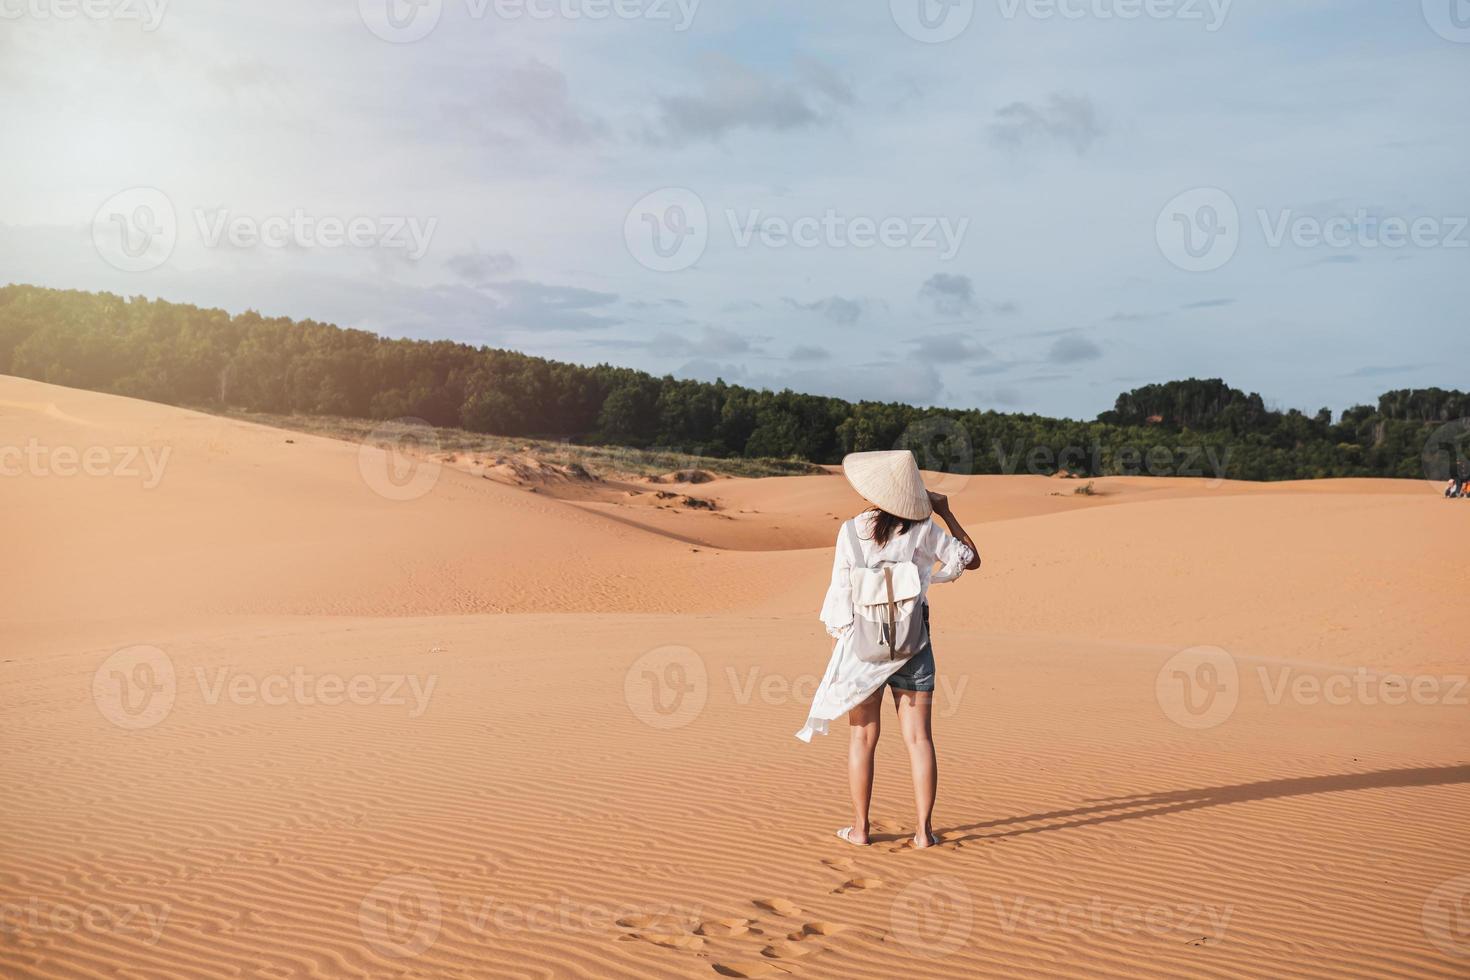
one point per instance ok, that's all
(918, 673)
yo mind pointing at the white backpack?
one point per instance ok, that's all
(887, 621)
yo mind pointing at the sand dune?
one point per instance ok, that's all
(262, 719)
(238, 518)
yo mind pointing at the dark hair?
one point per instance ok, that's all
(886, 525)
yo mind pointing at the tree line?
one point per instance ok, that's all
(205, 358)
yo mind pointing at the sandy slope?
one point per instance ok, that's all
(568, 748)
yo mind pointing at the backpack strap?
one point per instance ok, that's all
(892, 608)
(857, 545)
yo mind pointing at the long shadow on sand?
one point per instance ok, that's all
(1114, 809)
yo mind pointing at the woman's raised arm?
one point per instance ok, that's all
(940, 504)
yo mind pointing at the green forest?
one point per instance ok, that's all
(205, 358)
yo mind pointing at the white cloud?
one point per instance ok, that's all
(1067, 119)
(733, 96)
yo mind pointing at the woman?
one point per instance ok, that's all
(896, 527)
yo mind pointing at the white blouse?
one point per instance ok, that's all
(849, 681)
(934, 545)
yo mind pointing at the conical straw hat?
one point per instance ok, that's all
(890, 481)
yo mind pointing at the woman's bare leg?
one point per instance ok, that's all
(914, 709)
(863, 723)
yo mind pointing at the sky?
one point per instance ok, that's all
(1023, 205)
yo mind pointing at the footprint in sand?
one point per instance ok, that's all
(840, 864)
(811, 929)
(723, 927)
(666, 940)
(746, 968)
(635, 921)
(858, 885)
(780, 906)
(789, 950)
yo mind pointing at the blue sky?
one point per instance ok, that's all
(1074, 201)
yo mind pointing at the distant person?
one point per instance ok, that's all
(1459, 479)
(877, 609)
